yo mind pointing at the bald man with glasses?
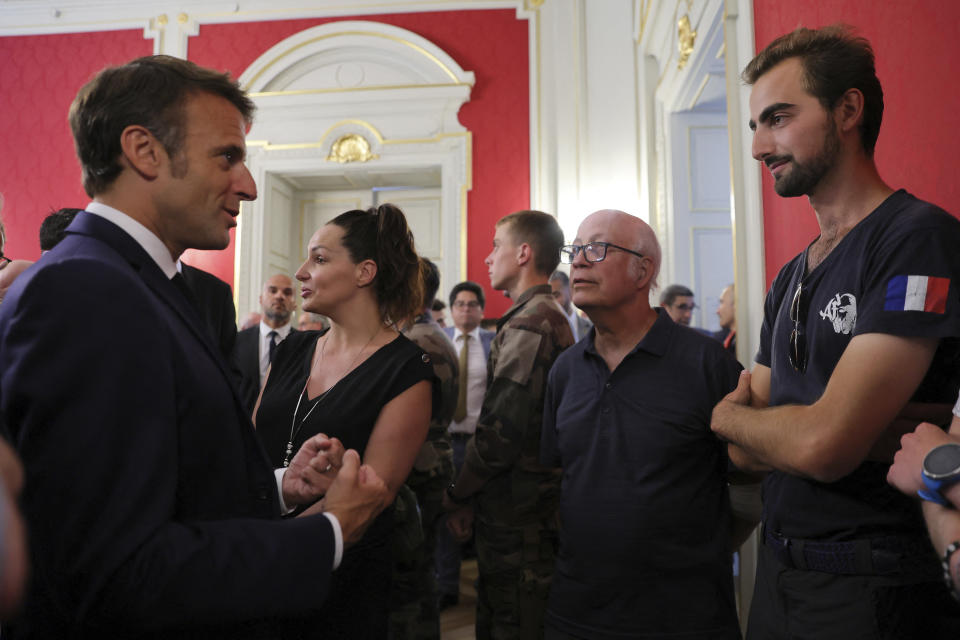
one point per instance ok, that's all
(644, 509)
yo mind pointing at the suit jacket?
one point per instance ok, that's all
(486, 337)
(246, 361)
(151, 506)
(214, 299)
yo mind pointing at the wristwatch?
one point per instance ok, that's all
(941, 469)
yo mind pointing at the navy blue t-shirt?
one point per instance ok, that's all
(644, 509)
(896, 272)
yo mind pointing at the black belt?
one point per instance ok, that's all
(457, 435)
(889, 555)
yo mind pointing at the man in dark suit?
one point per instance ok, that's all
(214, 299)
(255, 346)
(151, 507)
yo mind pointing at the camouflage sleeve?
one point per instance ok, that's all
(549, 451)
(511, 407)
(435, 459)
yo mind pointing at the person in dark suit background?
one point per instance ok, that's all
(255, 345)
(560, 285)
(152, 509)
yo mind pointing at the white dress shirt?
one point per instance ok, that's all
(144, 237)
(572, 319)
(265, 329)
(476, 380)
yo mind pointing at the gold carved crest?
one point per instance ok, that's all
(351, 148)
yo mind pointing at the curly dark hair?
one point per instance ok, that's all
(381, 234)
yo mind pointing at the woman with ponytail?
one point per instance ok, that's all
(359, 381)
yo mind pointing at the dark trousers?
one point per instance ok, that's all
(448, 556)
(799, 604)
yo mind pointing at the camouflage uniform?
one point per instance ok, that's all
(413, 601)
(516, 508)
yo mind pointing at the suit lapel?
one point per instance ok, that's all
(128, 248)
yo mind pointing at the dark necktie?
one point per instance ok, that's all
(273, 344)
(181, 284)
(461, 411)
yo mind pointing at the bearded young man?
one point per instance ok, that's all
(858, 330)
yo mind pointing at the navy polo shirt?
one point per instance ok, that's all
(896, 272)
(643, 504)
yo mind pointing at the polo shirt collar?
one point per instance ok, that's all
(655, 342)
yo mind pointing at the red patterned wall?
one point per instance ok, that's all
(41, 74)
(39, 172)
(917, 44)
(492, 44)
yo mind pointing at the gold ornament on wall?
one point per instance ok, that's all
(686, 37)
(351, 148)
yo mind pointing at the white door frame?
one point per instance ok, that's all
(393, 92)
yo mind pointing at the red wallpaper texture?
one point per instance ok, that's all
(492, 44)
(917, 44)
(41, 75)
(39, 172)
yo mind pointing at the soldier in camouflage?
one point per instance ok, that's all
(413, 601)
(514, 497)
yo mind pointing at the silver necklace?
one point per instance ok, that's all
(294, 427)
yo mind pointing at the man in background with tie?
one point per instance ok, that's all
(473, 346)
(255, 346)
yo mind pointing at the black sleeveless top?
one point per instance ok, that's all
(349, 409)
(358, 603)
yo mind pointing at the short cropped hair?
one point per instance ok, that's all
(561, 277)
(834, 61)
(674, 291)
(54, 227)
(151, 92)
(541, 231)
(472, 287)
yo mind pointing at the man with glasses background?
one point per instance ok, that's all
(678, 301)
(473, 344)
(857, 326)
(644, 509)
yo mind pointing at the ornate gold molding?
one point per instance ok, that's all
(686, 37)
(351, 148)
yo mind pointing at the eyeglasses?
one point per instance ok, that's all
(472, 304)
(685, 307)
(592, 251)
(798, 340)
